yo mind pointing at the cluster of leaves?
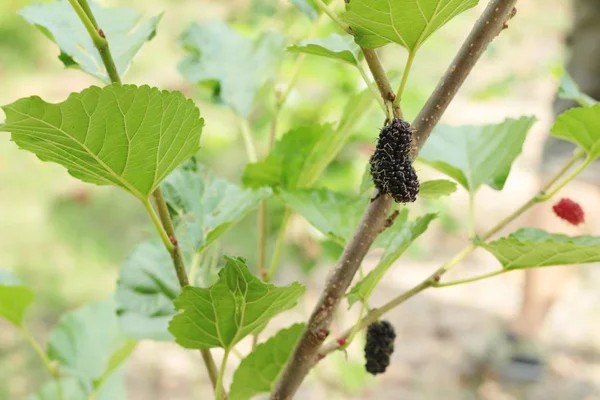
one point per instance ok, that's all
(140, 139)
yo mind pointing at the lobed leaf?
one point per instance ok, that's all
(409, 23)
(240, 66)
(530, 248)
(121, 135)
(402, 234)
(235, 306)
(477, 155)
(15, 298)
(581, 126)
(125, 30)
(334, 46)
(259, 371)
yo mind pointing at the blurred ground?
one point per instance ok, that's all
(54, 232)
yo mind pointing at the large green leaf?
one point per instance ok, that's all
(15, 298)
(581, 126)
(406, 22)
(569, 90)
(529, 248)
(126, 136)
(125, 31)
(207, 205)
(401, 236)
(333, 46)
(239, 65)
(436, 188)
(88, 343)
(258, 372)
(223, 314)
(477, 155)
(333, 214)
(287, 163)
(148, 285)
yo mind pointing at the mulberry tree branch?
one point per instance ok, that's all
(306, 353)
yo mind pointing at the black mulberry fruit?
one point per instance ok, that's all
(391, 166)
(379, 346)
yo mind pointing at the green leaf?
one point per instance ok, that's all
(333, 46)
(569, 90)
(15, 298)
(302, 154)
(223, 314)
(148, 285)
(333, 214)
(73, 388)
(239, 65)
(437, 188)
(530, 248)
(259, 371)
(207, 205)
(287, 163)
(401, 235)
(406, 22)
(366, 182)
(125, 30)
(88, 343)
(477, 155)
(126, 136)
(581, 126)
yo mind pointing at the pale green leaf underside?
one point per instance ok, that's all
(529, 248)
(477, 155)
(148, 285)
(569, 90)
(403, 233)
(436, 188)
(207, 205)
(406, 22)
(85, 342)
(126, 136)
(125, 31)
(15, 298)
(223, 314)
(239, 65)
(333, 46)
(258, 372)
(581, 126)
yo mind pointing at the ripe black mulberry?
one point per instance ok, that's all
(379, 346)
(391, 166)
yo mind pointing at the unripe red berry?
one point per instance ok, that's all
(341, 341)
(570, 211)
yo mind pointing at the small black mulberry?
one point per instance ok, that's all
(379, 346)
(391, 166)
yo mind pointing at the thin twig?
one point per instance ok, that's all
(381, 79)
(306, 353)
(167, 230)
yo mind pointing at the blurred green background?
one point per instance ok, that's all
(66, 239)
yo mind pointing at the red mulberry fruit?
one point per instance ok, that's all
(570, 211)
(379, 346)
(391, 166)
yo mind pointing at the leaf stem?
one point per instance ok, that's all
(334, 17)
(472, 229)
(88, 11)
(382, 81)
(219, 390)
(405, 73)
(159, 226)
(278, 245)
(37, 348)
(373, 90)
(468, 280)
(248, 142)
(568, 179)
(98, 39)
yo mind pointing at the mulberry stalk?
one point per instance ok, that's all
(391, 166)
(379, 346)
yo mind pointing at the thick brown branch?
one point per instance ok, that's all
(306, 353)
